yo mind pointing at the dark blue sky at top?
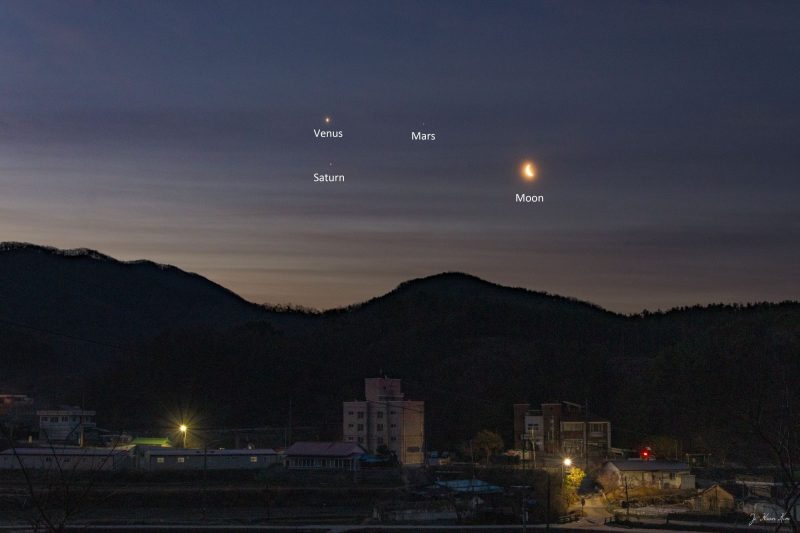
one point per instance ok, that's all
(666, 136)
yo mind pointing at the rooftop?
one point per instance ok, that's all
(325, 449)
(649, 466)
(184, 452)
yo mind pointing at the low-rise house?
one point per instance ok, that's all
(66, 425)
(66, 458)
(158, 458)
(657, 474)
(324, 456)
(719, 498)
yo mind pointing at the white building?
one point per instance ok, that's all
(65, 425)
(65, 459)
(153, 458)
(386, 418)
(533, 436)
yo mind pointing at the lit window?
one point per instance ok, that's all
(181, 459)
(253, 459)
(159, 459)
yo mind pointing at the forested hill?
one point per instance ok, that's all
(469, 348)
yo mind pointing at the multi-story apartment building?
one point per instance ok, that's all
(561, 428)
(386, 418)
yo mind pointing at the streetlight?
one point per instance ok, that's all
(567, 462)
(183, 429)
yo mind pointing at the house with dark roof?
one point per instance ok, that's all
(720, 498)
(324, 456)
(657, 474)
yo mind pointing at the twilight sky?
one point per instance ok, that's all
(667, 137)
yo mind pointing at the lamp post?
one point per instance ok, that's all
(183, 429)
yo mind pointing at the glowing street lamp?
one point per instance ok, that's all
(567, 462)
(183, 429)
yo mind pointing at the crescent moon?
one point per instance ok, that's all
(528, 171)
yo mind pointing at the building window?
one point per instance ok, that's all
(413, 449)
(573, 426)
(360, 414)
(181, 459)
(393, 439)
(65, 419)
(380, 427)
(350, 425)
(361, 440)
(596, 427)
(253, 459)
(350, 413)
(360, 427)
(392, 425)
(380, 414)
(159, 459)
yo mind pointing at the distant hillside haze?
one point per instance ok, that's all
(467, 347)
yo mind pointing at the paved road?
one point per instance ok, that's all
(594, 512)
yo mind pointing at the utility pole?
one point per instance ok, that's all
(524, 514)
(205, 476)
(627, 500)
(547, 510)
(472, 455)
(586, 436)
(288, 438)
